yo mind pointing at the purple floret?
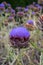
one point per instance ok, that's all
(30, 22)
(37, 5)
(10, 18)
(12, 11)
(20, 14)
(2, 5)
(20, 32)
(33, 13)
(8, 4)
(26, 10)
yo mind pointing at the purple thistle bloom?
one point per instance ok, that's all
(12, 11)
(20, 14)
(9, 5)
(37, 5)
(33, 13)
(20, 32)
(30, 22)
(17, 35)
(26, 10)
(2, 5)
(10, 18)
(31, 6)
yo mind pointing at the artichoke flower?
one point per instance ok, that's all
(2, 7)
(30, 25)
(19, 37)
(10, 18)
(20, 14)
(26, 10)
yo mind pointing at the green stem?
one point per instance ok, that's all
(20, 57)
(41, 59)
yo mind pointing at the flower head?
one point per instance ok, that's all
(31, 6)
(30, 22)
(2, 6)
(19, 37)
(33, 13)
(10, 18)
(26, 10)
(12, 11)
(20, 14)
(29, 25)
(8, 4)
(38, 6)
(36, 9)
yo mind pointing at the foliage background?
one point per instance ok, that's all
(16, 3)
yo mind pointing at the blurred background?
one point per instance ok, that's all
(16, 3)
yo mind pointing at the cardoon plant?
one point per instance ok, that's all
(19, 38)
(12, 13)
(39, 41)
(33, 14)
(19, 16)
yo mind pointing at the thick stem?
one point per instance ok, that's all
(20, 57)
